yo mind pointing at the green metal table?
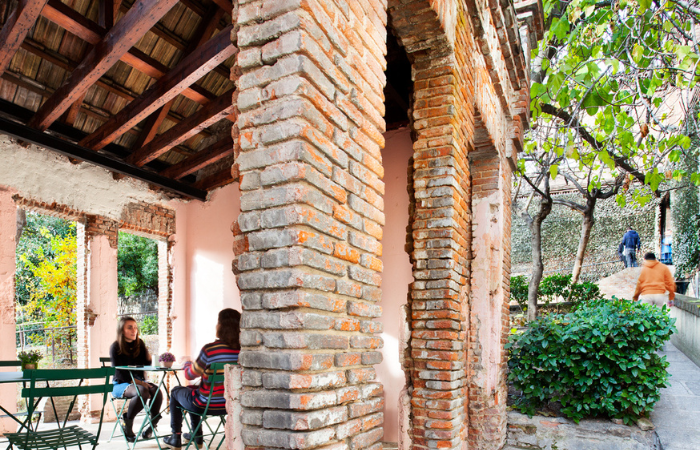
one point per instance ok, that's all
(17, 377)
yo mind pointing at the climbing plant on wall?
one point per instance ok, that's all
(685, 209)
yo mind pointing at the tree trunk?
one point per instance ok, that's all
(537, 264)
(586, 227)
(21, 223)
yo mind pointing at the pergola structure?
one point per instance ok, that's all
(133, 87)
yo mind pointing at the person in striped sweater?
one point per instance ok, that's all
(194, 398)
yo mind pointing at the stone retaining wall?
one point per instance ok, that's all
(687, 315)
(550, 433)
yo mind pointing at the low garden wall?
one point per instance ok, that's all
(550, 433)
(687, 336)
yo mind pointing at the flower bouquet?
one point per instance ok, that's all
(30, 359)
(166, 359)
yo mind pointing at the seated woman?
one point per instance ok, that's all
(194, 398)
(130, 350)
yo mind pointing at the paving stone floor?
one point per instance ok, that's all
(677, 414)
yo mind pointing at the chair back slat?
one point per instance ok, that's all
(105, 360)
(68, 374)
(10, 363)
(218, 373)
(66, 391)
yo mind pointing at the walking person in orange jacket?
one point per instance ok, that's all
(654, 281)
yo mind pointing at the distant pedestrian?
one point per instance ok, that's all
(632, 244)
(654, 281)
(621, 253)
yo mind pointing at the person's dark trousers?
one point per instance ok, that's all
(631, 256)
(181, 397)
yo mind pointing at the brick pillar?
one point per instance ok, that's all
(165, 295)
(490, 297)
(441, 237)
(310, 101)
(8, 243)
(97, 297)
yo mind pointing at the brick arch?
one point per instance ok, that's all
(435, 361)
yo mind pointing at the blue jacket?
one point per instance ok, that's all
(631, 240)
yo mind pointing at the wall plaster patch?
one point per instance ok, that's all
(49, 177)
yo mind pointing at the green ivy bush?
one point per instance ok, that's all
(599, 360)
(518, 290)
(552, 287)
(149, 326)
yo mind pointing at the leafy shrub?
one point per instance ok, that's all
(518, 290)
(599, 360)
(555, 286)
(149, 326)
(585, 292)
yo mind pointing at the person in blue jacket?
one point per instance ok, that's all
(632, 244)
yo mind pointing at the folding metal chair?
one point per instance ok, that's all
(106, 362)
(63, 436)
(216, 378)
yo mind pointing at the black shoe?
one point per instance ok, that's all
(128, 425)
(173, 441)
(148, 432)
(188, 437)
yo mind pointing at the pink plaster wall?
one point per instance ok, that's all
(203, 282)
(8, 228)
(397, 272)
(103, 292)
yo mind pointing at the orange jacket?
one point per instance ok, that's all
(655, 279)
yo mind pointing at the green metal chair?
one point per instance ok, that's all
(107, 362)
(63, 436)
(216, 379)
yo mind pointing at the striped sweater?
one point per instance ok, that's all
(215, 352)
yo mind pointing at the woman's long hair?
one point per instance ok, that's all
(229, 328)
(121, 340)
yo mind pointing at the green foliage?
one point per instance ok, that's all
(685, 209)
(149, 326)
(587, 291)
(47, 270)
(137, 264)
(554, 286)
(551, 288)
(41, 238)
(599, 360)
(607, 76)
(518, 290)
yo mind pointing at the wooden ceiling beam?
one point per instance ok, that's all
(106, 84)
(225, 6)
(16, 28)
(205, 117)
(71, 150)
(202, 34)
(219, 179)
(201, 159)
(132, 27)
(87, 30)
(186, 72)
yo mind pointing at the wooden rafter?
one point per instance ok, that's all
(205, 117)
(87, 30)
(221, 178)
(189, 70)
(16, 28)
(140, 18)
(201, 159)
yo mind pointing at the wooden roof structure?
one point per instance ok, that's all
(140, 87)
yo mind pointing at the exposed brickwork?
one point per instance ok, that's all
(469, 86)
(149, 219)
(311, 106)
(82, 300)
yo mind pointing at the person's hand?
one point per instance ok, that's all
(671, 303)
(185, 359)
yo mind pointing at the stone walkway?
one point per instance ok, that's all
(677, 414)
